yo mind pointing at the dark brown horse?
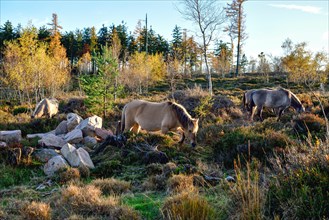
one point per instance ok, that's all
(279, 99)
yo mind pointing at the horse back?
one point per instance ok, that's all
(271, 98)
(149, 115)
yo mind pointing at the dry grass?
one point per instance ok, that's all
(69, 175)
(180, 183)
(248, 196)
(36, 211)
(87, 201)
(187, 206)
(111, 186)
(169, 168)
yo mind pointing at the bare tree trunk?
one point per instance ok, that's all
(239, 39)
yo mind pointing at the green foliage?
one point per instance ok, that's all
(12, 176)
(19, 110)
(204, 108)
(107, 168)
(102, 87)
(302, 65)
(147, 204)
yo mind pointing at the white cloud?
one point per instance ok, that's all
(304, 8)
(325, 35)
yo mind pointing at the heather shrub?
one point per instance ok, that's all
(302, 183)
(248, 142)
(310, 123)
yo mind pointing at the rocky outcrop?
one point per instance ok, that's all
(14, 136)
(65, 145)
(54, 164)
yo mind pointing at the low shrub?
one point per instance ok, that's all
(20, 109)
(107, 168)
(310, 123)
(156, 182)
(301, 188)
(248, 142)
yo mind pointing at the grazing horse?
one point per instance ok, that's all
(280, 99)
(164, 116)
(46, 107)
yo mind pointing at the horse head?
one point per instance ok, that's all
(300, 109)
(192, 130)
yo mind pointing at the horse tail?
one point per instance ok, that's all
(244, 100)
(123, 119)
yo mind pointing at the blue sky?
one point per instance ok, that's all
(268, 23)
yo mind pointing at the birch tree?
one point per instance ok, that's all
(209, 16)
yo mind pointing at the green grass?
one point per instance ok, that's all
(13, 176)
(147, 204)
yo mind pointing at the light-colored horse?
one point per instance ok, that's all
(164, 117)
(279, 99)
(46, 107)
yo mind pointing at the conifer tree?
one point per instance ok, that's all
(236, 27)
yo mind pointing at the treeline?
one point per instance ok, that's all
(41, 62)
(107, 63)
(88, 40)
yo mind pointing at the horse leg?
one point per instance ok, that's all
(252, 113)
(280, 113)
(259, 112)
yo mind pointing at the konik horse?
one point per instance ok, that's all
(279, 99)
(164, 117)
(46, 107)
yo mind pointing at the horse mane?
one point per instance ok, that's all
(183, 116)
(295, 100)
(38, 108)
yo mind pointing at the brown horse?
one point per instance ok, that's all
(164, 116)
(279, 99)
(46, 107)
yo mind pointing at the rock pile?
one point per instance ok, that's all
(66, 145)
